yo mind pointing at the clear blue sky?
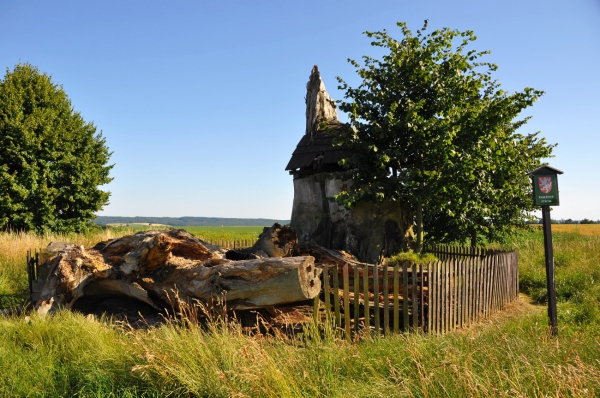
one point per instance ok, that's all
(202, 103)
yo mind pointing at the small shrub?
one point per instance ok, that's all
(413, 258)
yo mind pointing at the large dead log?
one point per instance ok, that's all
(161, 268)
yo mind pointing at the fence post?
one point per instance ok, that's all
(327, 290)
(386, 299)
(336, 296)
(396, 298)
(346, 300)
(376, 298)
(405, 293)
(356, 297)
(367, 298)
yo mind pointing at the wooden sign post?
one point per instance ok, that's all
(545, 194)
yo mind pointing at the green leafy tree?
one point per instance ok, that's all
(52, 162)
(432, 128)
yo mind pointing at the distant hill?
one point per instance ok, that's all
(191, 221)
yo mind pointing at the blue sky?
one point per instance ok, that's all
(202, 103)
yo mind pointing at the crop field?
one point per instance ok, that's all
(580, 229)
(510, 355)
(206, 233)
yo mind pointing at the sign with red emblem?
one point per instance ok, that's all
(545, 190)
(545, 183)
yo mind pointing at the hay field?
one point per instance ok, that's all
(581, 229)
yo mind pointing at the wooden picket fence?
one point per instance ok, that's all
(232, 244)
(436, 298)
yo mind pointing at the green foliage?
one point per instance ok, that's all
(51, 161)
(431, 127)
(413, 258)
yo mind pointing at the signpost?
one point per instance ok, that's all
(545, 194)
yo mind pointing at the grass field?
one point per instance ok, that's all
(510, 355)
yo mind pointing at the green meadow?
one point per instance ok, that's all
(509, 355)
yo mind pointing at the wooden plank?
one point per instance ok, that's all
(356, 298)
(465, 285)
(346, 277)
(470, 262)
(438, 288)
(448, 297)
(336, 296)
(443, 301)
(405, 320)
(386, 301)
(376, 299)
(478, 288)
(486, 288)
(396, 298)
(415, 305)
(431, 297)
(367, 299)
(459, 279)
(453, 294)
(421, 299)
(327, 290)
(316, 304)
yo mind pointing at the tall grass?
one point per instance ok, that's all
(513, 354)
(576, 259)
(13, 249)
(514, 357)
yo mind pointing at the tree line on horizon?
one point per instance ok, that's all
(191, 221)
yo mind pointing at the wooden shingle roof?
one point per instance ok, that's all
(317, 150)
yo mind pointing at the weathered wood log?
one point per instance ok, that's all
(323, 255)
(162, 268)
(275, 241)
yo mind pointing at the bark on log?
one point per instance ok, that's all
(162, 267)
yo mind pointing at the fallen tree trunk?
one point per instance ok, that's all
(162, 268)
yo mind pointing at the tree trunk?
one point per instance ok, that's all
(162, 268)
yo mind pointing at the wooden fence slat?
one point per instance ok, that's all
(386, 300)
(432, 297)
(447, 286)
(367, 299)
(421, 299)
(486, 288)
(356, 297)
(405, 296)
(438, 287)
(396, 298)
(376, 299)
(336, 296)
(478, 288)
(453, 294)
(346, 301)
(470, 266)
(460, 292)
(327, 288)
(415, 306)
(444, 299)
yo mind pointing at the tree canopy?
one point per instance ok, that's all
(430, 126)
(52, 162)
